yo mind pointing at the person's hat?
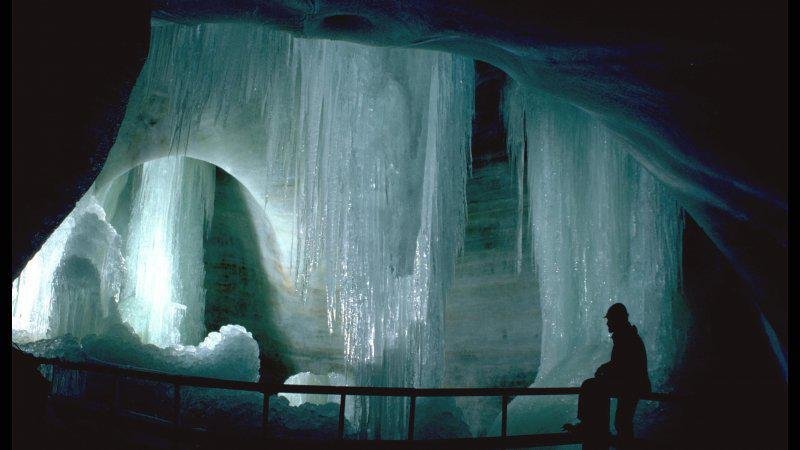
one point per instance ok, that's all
(617, 310)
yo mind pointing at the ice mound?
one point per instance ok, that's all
(230, 353)
(309, 378)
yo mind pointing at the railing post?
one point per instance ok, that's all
(176, 399)
(265, 413)
(341, 416)
(411, 412)
(504, 423)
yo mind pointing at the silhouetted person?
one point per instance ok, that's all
(625, 377)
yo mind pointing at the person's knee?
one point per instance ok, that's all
(590, 384)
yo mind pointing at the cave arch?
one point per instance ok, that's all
(246, 280)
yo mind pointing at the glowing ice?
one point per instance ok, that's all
(73, 283)
(308, 378)
(603, 231)
(374, 145)
(163, 296)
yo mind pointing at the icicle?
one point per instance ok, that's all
(514, 118)
(603, 231)
(382, 166)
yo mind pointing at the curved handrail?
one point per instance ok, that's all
(269, 389)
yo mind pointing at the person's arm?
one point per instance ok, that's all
(603, 370)
(612, 368)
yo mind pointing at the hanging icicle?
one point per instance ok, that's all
(603, 230)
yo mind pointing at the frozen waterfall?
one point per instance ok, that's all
(603, 231)
(381, 206)
(372, 145)
(163, 298)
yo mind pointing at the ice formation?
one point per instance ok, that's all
(308, 378)
(229, 354)
(72, 284)
(603, 231)
(373, 143)
(381, 206)
(372, 147)
(163, 296)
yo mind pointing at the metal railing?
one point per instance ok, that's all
(505, 393)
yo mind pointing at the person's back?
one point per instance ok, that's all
(628, 365)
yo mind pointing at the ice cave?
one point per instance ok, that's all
(423, 194)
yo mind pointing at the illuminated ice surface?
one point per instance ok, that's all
(360, 157)
(163, 296)
(372, 144)
(308, 378)
(229, 354)
(73, 283)
(603, 231)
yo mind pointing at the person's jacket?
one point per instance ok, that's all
(628, 365)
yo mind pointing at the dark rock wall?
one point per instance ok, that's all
(73, 65)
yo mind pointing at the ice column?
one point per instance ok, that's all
(603, 231)
(73, 283)
(163, 297)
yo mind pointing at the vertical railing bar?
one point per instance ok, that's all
(176, 381)
(176, 398)
(504, 427)
(265, 413)
(411, 412)
(341, 416)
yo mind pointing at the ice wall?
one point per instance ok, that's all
(373, 144)
(72, 285)
(603, 231)
(163, 298)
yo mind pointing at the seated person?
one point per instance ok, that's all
(625, 377)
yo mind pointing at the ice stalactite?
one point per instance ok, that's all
(603, 230)
(380, 185)
(72, 284)
(373, 143)
(381, 174)
(163, 298)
